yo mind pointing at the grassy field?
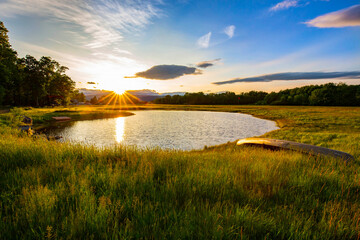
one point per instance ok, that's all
(60, 191)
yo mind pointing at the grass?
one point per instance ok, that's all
(42, 116)
(61, 191)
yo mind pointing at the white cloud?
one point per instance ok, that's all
(348, 17)
(104, 21)
(285, 5)
(230, 30)
(204, 41)
(107, 67)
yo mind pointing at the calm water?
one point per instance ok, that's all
(166, 129)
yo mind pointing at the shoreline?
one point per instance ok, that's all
(41, 129)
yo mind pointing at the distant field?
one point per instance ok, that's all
(54, 190)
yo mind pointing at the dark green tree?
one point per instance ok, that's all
(8, 68)
(77, 96)
(94, 100)
(28, 81)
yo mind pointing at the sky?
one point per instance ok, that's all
(191, 45)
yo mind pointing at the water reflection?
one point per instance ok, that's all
(165, 129)
(119, 129)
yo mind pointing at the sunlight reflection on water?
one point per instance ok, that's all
(120, 129)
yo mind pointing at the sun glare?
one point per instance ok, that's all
(120, 87)
(120, 91)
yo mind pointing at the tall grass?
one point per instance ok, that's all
(53, 190)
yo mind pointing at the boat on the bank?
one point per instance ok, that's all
(295, 146)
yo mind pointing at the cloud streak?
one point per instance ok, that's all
(105, 21)
(204, 41)
(293, 76)
(285, 5)
(167, 72)
(229, 31)
(348, 17)
(206, 64)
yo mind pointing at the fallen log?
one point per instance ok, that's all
(295, 146)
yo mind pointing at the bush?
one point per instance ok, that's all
(16, 116)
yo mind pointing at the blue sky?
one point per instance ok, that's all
(132, 44)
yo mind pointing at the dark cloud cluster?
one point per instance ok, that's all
(91, 83)
(206, 64)
(166, 72)
(292, 76)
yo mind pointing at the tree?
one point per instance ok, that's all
(77, 96)
(94, 100)
(2, 94)
(59, 84)
(8, 58)
(327, 94)
(28, 81)
(45, 81)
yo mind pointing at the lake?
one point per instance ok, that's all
(185, 130)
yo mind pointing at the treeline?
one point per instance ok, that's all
(31, 82)
(316, 95)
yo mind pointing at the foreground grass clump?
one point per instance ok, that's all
(53, 190)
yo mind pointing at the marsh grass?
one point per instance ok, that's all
(60, 191)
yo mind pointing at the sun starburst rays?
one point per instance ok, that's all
(119, 100)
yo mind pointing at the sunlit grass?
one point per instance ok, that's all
(54, 190)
